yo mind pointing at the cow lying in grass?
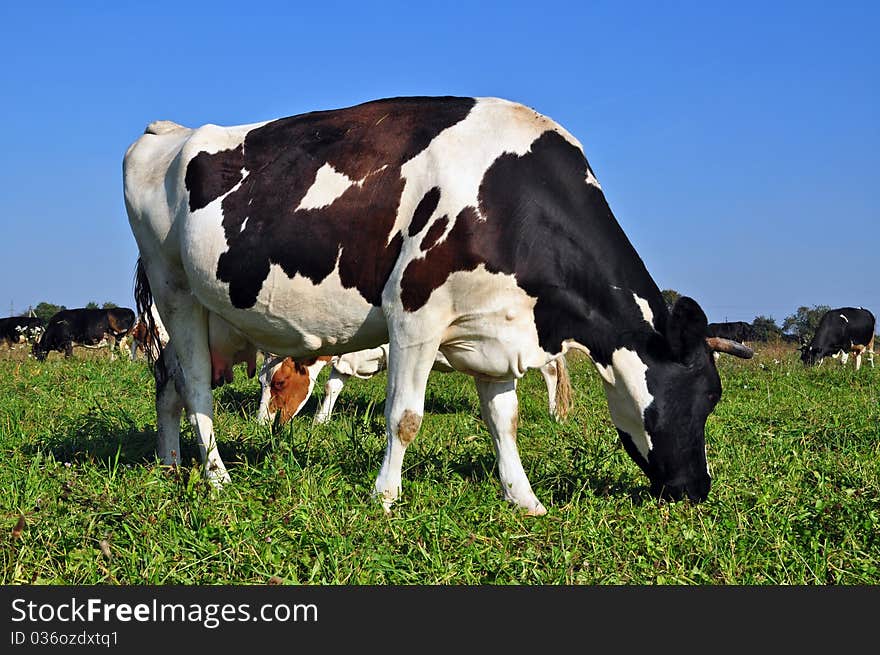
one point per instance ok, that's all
(286, 385)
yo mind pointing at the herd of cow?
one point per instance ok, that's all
(410, 234)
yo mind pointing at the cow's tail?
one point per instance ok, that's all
(143, 298)
(563, 389)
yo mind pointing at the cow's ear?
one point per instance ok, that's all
(686, 329)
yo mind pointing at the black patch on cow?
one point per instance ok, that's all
(540, 221)
(423, 211)
(434, 233)
(210, 176)
(282, 159)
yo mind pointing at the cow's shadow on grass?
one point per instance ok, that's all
(110, 438)
(99, 436)
(114, 437)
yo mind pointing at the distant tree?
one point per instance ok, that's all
(91, 305)
(765, 328)
(109, 305)
(46, 310)
(670, 296)
(805, 320)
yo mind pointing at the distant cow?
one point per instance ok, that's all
(21, 329)
(286, 384)
(736, 330)
(842, 331)
(150, 342)
(84, 327)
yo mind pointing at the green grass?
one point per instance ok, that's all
(794, 453)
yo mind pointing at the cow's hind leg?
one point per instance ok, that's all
(188, 327)
(408, 370)
(169, 404)
(500, 410)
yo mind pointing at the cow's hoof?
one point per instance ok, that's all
(218, 478)
(537, 510)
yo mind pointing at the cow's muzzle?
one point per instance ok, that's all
(696, 490)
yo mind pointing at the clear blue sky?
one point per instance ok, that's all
(737, 143)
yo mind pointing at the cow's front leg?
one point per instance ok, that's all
(500, 410)
(408, 370)
(332, 389)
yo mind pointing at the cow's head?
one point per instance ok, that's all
(289, 386)
(660, 394)
(809, 354)
(39, 351)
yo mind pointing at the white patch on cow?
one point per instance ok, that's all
(474, 332)
(451, 162)
(844, 318)
(591, 180)
(244, 223)
(628, 397)
(336, 310)
(647, 314)
(329, 185)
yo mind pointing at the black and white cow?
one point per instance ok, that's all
(841, 332)
(470, 225)
(735, 330)
(21, 329)
(84, 327)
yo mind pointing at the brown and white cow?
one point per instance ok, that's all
(472, 226)
(147, 340)
(285, 385)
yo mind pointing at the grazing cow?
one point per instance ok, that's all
(285, 385)
(841, 332)
(92, 328)
(21, 329)
(149, 342)
(472, 226)
(736, 331)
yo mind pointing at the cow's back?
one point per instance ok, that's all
(292, 230)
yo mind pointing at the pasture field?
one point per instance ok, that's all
(794, 453)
